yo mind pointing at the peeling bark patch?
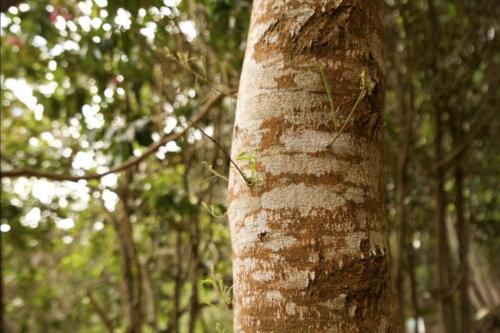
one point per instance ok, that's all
(314, 29)
(302, 28)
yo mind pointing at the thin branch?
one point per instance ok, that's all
(480, 124)
(360, 97)
(215, 173)
(28, 172)
(100, 312)
(328, 91)
(226, 154)
(186, 65)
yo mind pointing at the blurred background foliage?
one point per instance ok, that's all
(87, 85)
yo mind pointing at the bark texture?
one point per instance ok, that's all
(309, 247)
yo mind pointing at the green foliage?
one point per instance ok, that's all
(85, 85)
(82, 90)
(213, 210)
(251, 178)
(215, 173)
(220, 329)
(224, 292)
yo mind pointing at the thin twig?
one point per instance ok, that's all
(477, 128)
(28, 172)
(360, 97)
(215, 173)
(100, 312)
(197, 75)
(328, 91)
(226, 154)
(330, 100)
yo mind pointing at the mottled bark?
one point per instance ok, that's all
(309, 245)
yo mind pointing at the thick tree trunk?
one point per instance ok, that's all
(309, 246)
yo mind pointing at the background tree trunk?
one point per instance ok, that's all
(444, 264)
(176, 311)
(309, 245)
(131, 268)
(462, 225)
(194, 305)
(445, 267)
(402, 184)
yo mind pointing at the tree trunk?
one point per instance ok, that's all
(462, 226)
(107, 322)
(444, 264)
(402, 188)
(176, 311)
(447, 308)
(131, 268)
(194, 305)
(308, 238)
(403, 88)
(412, 258)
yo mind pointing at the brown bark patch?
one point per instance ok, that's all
(312, 30)
(286, 81)
(364, 245)
(273, 130)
